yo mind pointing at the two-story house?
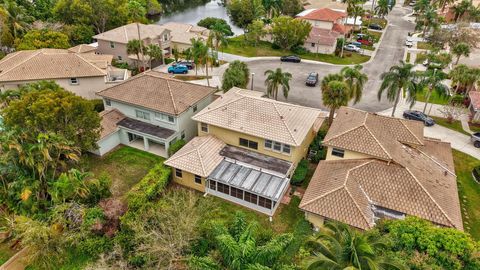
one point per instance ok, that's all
(150, 111)
(81, 73)
(115, 41)
(247, 148)
(382, 167)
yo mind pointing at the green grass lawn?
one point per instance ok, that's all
(474, 127)
(435, 98)
(455, 125)
(5, 252)
(125, 166)
(420, 57)
(468, 191)
(424, 45)
(375, 35)
(238, 46)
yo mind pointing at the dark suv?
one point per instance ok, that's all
(312, 79)
(375, 26)
(419, 116)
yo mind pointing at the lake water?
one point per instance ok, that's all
(194, 14)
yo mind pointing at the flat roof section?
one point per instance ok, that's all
(146, 128)
(256, 159)
(249, 179)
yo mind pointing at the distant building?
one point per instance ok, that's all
(150, 111)
(247, 149)
(78, 69)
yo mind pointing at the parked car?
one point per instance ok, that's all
(290, 58)
(178, 69)
(419, 116)
(362, 36)
(409, 42)
(375, 26)
(352, 48)
(412, 3)
(312, 79)
(365, 42)
(189, 64)
(475, 138)
(356, 43)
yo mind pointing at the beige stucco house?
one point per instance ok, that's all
(382, 167)
(248, 146)
(182, 33)
(150, 111)
(81, 73)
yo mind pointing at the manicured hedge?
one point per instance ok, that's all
(300, 172)
(176, 146)
(149, 188)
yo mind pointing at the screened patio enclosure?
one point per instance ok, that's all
(247, 185)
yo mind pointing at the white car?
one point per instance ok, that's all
(352, 48)
(409, 42)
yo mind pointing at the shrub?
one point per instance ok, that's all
(177, 145)
(95, 245)
(98, 189)
(98, 105)
(300, 172)
(316, 146)
(169, 60)
(149, 188)
(299, 50)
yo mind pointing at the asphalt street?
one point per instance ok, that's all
(390, 52)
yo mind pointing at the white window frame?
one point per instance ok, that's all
(164, 118)
(108, 102)
(270, 145)
(204, 127)
(195, 179)
(142, 115)
(74, 81)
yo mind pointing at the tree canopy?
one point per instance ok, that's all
(210, 22)
(37, 39)
(236, 75)
(287, 32)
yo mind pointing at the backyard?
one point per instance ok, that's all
(238, 46)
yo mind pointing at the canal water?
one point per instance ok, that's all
(192, 15)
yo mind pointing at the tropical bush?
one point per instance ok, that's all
(300, 173)
(177, 145)
(317, 148)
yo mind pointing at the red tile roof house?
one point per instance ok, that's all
(327, 26)
(474, 106)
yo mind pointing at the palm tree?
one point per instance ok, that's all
(134, 47)
(335, 94)
(274, 80)
(428, 19)
(383, 8)
(421, 6)
(217, 34)
(399, 79)
(355, 11)
(461, 9)
(17, 17)
(355, 81)
(461, 49)
(338, 247)
(154, 52)
(458, 75)
(433, 81)
(444, 3)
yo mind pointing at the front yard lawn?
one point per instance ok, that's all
(468, 192)
(5, 253)
(424, 45)
(435, 98)
(125, 166)
(455, 125)
(238, 46)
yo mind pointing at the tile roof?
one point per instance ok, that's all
(109, 121)
(200, 156)
(372, 134)
(322, 36)
(82, 48)
(407, 173)
(183, 32)
(248, 112)
(47, 64)
(157, 91)
(341, 28)
(125, 33)
(474, 99)
(324, 14)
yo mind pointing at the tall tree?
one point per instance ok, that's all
(383, 8)
(244, 12)
(256, 31)
(272, 7)
(218, 35)
(355, 81)
(461, 9)
(399, 79)
(291, 7)
(355, 9)
(236, 75)
(337, 247)
(288, 32)
(210, 22)
(154, 53)
(38, 39)
(432, 80)
(274, 80)
(461, 49)
(335, 93)
(200, 55)
(428, 20)
(17, 17)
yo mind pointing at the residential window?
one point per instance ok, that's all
(164, 117)
(178, 173)
(195, 108)
(183, 135)
(286, 149)
(204, 127)
(198, 179)
(74, 81)
(142, 114)
(313, 44)
(171, 119)
(112, 44)
(277, 146)
(250, 197)
(223, 188)
(264, 202)
(120, 58)
(248, 143)
(165, 37)
(237, 193)
(108, 102)
(268, 144)
(338, 152)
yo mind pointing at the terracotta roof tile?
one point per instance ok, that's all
(128, 32)
(322, 36)
(157, 91)
(475, 99)
(109, 121)
(325, 14)
(248, 112)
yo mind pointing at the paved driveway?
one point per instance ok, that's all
(390, 52)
